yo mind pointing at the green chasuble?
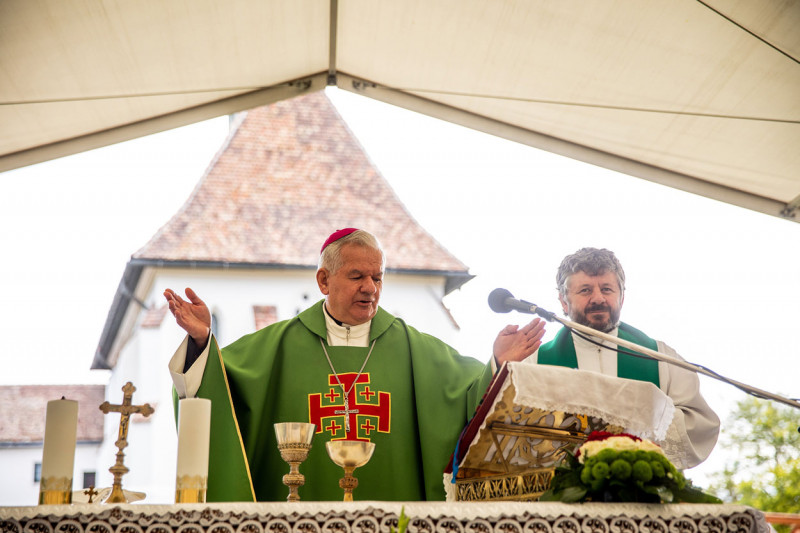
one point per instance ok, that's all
(561, 352)
(413, 398)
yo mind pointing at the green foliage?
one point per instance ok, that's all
(762, 437)
(642, 471)
(402, 522)
(621, 469)
(621, 481)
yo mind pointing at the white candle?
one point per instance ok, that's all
(194, 429)
(60, 437)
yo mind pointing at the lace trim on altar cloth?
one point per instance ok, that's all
(449, 488)
(639, 407)
(674, 446)
(379, 517)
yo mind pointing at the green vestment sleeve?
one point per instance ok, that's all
(459, 388)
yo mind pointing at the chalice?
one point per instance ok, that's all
(294, 442)
(349, 454)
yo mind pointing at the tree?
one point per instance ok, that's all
(763, 440)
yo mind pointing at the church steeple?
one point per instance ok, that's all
(289, 174)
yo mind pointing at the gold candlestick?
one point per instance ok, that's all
(349, 454)
(294, 442)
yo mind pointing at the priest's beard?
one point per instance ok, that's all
(604, 326)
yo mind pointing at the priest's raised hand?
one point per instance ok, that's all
(193, 315)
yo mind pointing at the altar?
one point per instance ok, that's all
(379, 517)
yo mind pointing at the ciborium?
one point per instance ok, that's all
(294, 442)
(349, 454)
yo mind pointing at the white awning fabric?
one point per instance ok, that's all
(699, 95)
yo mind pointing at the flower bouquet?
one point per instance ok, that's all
(621, 468)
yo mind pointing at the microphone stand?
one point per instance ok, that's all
(662, 357)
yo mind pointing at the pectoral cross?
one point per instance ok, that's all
(346, 411)
(126, 409)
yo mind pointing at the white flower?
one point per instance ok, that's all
(618, 443)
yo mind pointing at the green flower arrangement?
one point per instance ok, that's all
(621, 468)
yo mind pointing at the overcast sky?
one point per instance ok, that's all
(716, 282)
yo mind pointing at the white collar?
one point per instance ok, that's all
(345, 334)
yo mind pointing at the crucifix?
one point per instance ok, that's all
(126, 409)
(91, 493)
(346, 411)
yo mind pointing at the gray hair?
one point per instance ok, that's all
(331, 257)
(592, 261)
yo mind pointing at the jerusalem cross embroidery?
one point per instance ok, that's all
(354, 417)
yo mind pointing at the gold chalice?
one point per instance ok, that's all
(349, 454)
(294, 441)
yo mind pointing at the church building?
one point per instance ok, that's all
(247, 241)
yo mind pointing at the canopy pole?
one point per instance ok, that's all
(333, 29)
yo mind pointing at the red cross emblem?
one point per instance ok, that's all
(354, 413)
(367, 427)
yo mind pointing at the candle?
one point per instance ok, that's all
(194, 429)
(58, 456)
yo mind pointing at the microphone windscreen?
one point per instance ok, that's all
(497, 300)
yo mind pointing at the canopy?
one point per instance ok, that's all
(699, 95)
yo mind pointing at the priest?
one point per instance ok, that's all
(591, 289)
(345, 365)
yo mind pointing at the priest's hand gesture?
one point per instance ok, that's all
(193, 316)
(515, 344)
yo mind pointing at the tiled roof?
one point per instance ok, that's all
(24, 409)
(288, 176)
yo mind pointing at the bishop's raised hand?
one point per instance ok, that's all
(515, 344)
(192, 315)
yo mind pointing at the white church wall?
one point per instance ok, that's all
(231, 295)
(418, 301)
(18, 463)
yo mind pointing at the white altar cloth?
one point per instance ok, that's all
(639, 407)
(377, 517)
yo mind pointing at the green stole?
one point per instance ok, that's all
(561, 352)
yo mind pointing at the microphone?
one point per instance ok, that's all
(502, 301)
